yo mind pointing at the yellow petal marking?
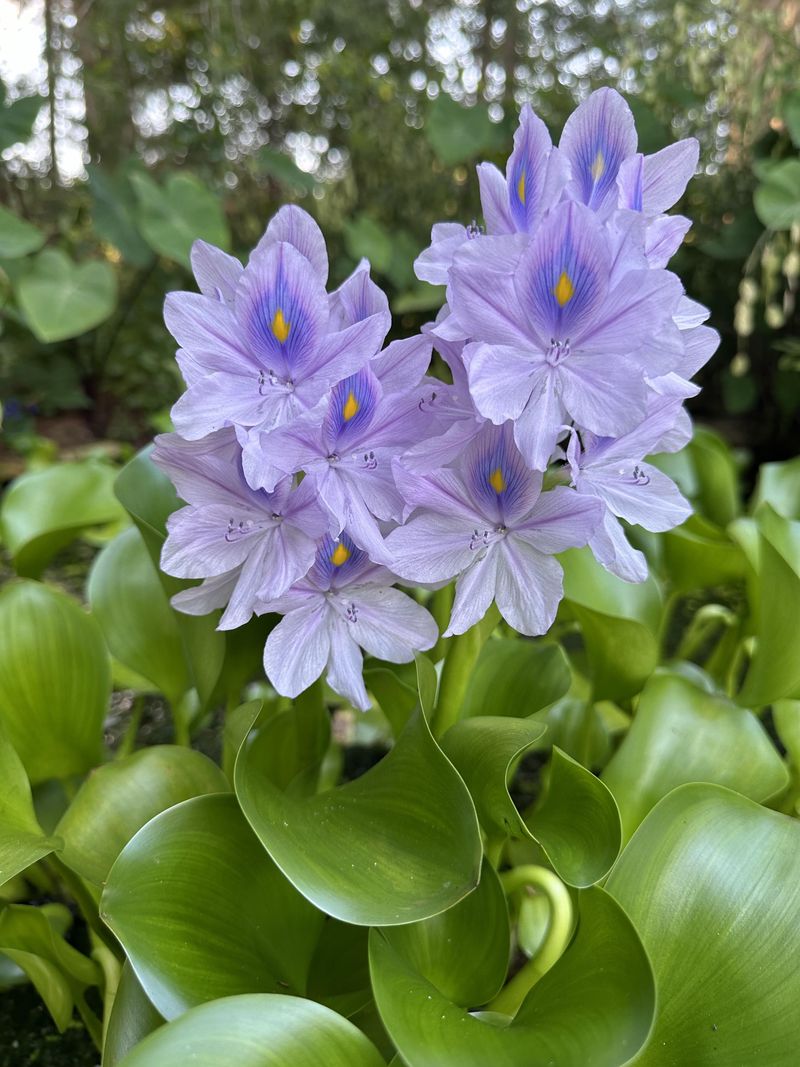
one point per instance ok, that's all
(341, 554)
(521, 188)
(280, 327)
(565, 290)
(350, 407)
(599, 166)
(496, 480)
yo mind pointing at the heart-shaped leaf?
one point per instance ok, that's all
(684, 733)
(62, 299)
(203, 912)
(712, 883)
(22, 840)
(54, 681)
(257, 1031)
(17, 237)
(595, 1006)
(17, 119)
(516, 678)
(173, 216)
(47, 509)
(777, 198)
(118, 799)
(397, 845)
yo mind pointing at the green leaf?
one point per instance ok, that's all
(141, 629)
(399, 844)
(463, 951)
(423, 297)
(61, 298)
(17, 237)
(257, 1031)
(619, 621)
(202, 912)
(17, 119)
(54, 681)
(775, 668)
(283, 169)
(114, 215)
(790, 109)
(339, 974)
(779, 485)
(712, 883)
(777, 198)
(22, 840)
(516, 678)
(458, 134)
(57, 970)
(684, 733)
(718, 496)
(173, 216)
(365, 238)
(118, 799)
(45, 510)
(132, 1018)
(699, 555)
(595, 1006)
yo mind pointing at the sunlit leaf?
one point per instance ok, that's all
(17, 119)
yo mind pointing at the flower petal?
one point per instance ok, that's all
(390, 625)
(297, 228)
(431, 548)
(494, 200)
(535, 174)
(560, 520)
(216, 273)
(345, 664)
(529, 587)
(475, 590)
(297, 649)
(597, 137)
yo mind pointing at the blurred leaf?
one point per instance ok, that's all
(257, 1031)
(132, 1018)
(118, 799)
(283, 169)
(365, 238)
(17, 119)
(718, 496)
(777, 198)
(775, 668)
(779, 485)
(114, 215)
(516, 677)
(682, 733)
(61, 298)
(173, 216)
(458, 134)
(57, 970)
(22, 840)
(699, 555)
(202, 911)
(595, 1006)
(45, 510)
(464, 951)
(653, 134)
(619, 621)
(399, 844)
(423, 297)
(17, 237)
(712, 883)
(790, 109)
(54, 681)
(149, 497)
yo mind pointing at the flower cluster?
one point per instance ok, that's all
(320, 468)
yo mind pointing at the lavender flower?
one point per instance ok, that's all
(488, 523)
(344, 604)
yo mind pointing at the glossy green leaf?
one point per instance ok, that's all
(786, 714)
(132, 1018)
(339, 972)
(399, 844)
(775, 668)
(17, 119)
(61, 298)
(684, 733)
(149, 497)
(717, 496)
(779, 485)
(516, 678)
(457, 133)
(22, 840)
(57, 970)
(619, 621)
(464, 951)
(777, 198)
(397, 698)
(114, 215)
(202, 912)
(116, 800)
(17, 237)
(257, 1031)
(712, 883)
(594, 1006)
(54, 680)
(173, 216)
(699, 555)
(45, 510)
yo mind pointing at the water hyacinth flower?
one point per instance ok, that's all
(264, 343)
(488, 524)
(344, 604)
(247, 542)
(554, 342)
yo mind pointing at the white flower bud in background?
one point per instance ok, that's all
(740, 365)
(748, 291)
(774, 317)
(743, 319)
(791, 265)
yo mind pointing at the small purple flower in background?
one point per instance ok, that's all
(344, 604)
(267, 349)
(614, 471)
(489, 524)
(248, 542)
